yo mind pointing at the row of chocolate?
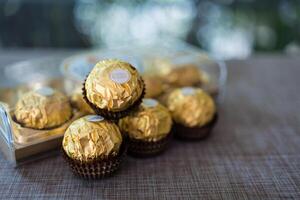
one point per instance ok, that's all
(94, 145)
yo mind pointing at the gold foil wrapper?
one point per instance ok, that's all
(151, 122)
(163, 98)
(39, 110)
(12, 94)
(154, 86)
(191, 107)
(79, 103)
(157, 66)
(184, 75)
(113, 85)
(25, 136)
(91, 137)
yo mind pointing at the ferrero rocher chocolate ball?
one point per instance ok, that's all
(154, 86)
(92, 137)
(113, 85)
(163, 98)
(42, 109)
(184, 75)
(151, 122)
(191, 107)
(157, 65)
(79, 103)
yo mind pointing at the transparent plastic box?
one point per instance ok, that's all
(19, 143)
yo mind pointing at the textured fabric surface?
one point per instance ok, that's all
(253, 153)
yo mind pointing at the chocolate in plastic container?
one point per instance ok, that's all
(20, 144)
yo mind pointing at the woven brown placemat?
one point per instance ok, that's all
(252, 153)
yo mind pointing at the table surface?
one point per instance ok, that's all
(253, 153)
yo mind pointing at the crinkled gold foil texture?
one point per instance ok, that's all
(86, 140)
(191, 107)
(34, 110)
(79, 103)
(184, 75)
(157, 65)
(105, 93)
(154, 86)
(148, 123)
(163, 98)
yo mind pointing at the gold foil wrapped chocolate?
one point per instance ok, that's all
(184, 75)
(42, 109)
(157, 65)
(91, 137)
(113, 85)
(79, 103)
(191, 107)
(163, 98)
(151, 122)
(154, 86)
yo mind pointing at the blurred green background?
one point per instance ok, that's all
(224, 28)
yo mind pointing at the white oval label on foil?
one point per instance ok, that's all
(45, 91)
(94, 118)
(186, 91)
(150, 103)
(119, 76)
